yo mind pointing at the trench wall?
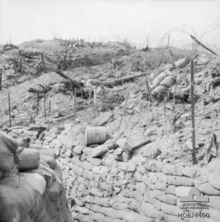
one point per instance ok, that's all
(104, 190)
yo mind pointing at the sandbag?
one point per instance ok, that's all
(49, 178)
(17, 199)
(168, 67)
(29, 159)
(99, 150)
(48, 170)
(181, 63)
(8, 151)
(168, 81)
(36, 146)
(48, 152)
(158, 79)
(35, 181)
(214, 180)
(48, 161)
(159, 93)
(111, 144)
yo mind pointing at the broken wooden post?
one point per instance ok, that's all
(45, 112)
(42, 58)
(0, 79)
(123, 111)
(201, 44)
(20, 65)
(49, 108)
(37, 109)
(193, 114)
(9, 108)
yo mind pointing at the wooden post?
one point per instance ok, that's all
(0, 79)
(20, 62)
(95, 95)
(42, 58)
(75, 108)
(193, 114)
(201, 44)
(9, 108)
(45, 112)
(123, 112)
(37, 109)
(49, 107)
(168, 43)
(20, 65)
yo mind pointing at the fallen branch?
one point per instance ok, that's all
(197, 41)
(64, 118)
(82, 92)
(78, 87)
(75, 84)
(116, 82)
(43, 90)
(132, 149)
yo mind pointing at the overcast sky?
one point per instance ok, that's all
(134, 20)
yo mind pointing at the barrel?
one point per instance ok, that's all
(95, 135)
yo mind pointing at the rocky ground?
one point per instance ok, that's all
(126, 109)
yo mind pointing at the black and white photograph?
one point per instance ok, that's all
(109, 110)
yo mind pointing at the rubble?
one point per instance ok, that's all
(145, 166)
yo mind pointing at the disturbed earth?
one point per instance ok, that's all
(154, 105)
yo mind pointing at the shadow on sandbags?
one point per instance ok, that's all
(8, 151)
(17, 195)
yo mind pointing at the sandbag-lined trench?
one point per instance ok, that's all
(108, 190)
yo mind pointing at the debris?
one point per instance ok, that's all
(112, 83)
(99, 151)
(135, 143)
(212, 149)
(44, 89)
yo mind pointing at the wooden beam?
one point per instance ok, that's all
(43, 90)
(42, 58)
(9, 109)
(117, 82)
(74, 83)
(201, 44)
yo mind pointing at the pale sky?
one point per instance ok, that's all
(97, 20)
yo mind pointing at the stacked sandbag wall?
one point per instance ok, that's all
(103, 189)
(35, 194)
(127, 192)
